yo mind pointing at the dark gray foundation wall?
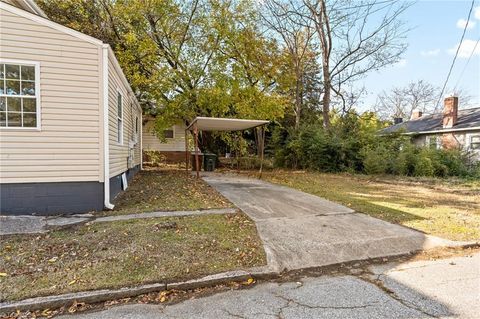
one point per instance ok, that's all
(63, 198)
(50, 198)
(116, 181)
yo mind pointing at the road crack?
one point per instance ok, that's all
(377, 281)
(291, 301)
(231, 314)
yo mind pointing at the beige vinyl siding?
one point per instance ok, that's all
(152, 143)
(119, 153)
(68, 146)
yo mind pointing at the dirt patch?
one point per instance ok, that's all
(166, 190)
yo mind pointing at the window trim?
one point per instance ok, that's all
(438, 141)
(36, 64)
(136, 128)
(173, 133)
(468, 141)
(119, 119)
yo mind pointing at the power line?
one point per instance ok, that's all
(466, 64)
(456, 54)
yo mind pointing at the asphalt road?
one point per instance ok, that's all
(446, 288)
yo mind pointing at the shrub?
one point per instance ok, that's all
(353, 145)
(423, 164)
(153, 158)
(374, 161)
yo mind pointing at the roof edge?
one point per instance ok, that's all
(123, 78)
(32, 5)
(450, 130)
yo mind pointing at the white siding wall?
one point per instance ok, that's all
(120, 152)
(68, 147)
(152, 143)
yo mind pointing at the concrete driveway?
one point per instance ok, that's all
(300, 230)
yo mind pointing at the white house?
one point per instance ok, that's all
(70, 125)
(451, 129)
(173, 144)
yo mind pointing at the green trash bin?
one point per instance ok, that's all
(209, 162)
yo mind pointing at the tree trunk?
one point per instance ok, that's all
(298, 103)
(326, 97)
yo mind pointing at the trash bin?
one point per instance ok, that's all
(194, 163)
(210, 161)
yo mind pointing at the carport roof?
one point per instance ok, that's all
(223, 124)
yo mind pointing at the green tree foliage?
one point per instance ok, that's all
(185, 58)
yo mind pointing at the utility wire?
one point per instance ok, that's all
(466, 64)
(456, 54)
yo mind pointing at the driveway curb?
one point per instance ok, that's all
(94, 296)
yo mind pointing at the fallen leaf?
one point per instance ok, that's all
(3, 274)
(250, 281)
(46, 312)
(53, 259)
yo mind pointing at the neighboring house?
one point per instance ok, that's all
(173, 147)
(453, 128)
(70, 125)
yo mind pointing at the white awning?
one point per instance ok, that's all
(223, 124)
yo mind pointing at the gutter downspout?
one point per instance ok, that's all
(106, 151)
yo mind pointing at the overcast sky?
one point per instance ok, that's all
(437, 27)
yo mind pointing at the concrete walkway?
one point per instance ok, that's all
(24, 224)
(300, 230)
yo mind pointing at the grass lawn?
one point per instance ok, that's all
(126, 253)
(166, 190)
(444, 208)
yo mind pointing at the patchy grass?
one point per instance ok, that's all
(166, 190)
(126, 253)
(444, 208)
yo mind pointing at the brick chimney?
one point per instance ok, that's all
(450, 111)
(416, 113)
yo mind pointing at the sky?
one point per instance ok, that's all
(437, 28)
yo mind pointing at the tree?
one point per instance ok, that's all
(296, 37)
(355, 37)
(185, 58)
(400, 102)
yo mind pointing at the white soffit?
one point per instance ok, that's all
(224, 124)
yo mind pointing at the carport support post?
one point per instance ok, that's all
(262, 147)
(195, 132)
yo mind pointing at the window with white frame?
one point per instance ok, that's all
(19, 96)
(434, 141)
(136, 129)
(475, 142)
(119, 118)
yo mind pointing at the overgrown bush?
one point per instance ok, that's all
(153, 158)
(353, 145)
(424, 164)
(374, 161)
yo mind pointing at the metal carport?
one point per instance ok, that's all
(201, 123)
